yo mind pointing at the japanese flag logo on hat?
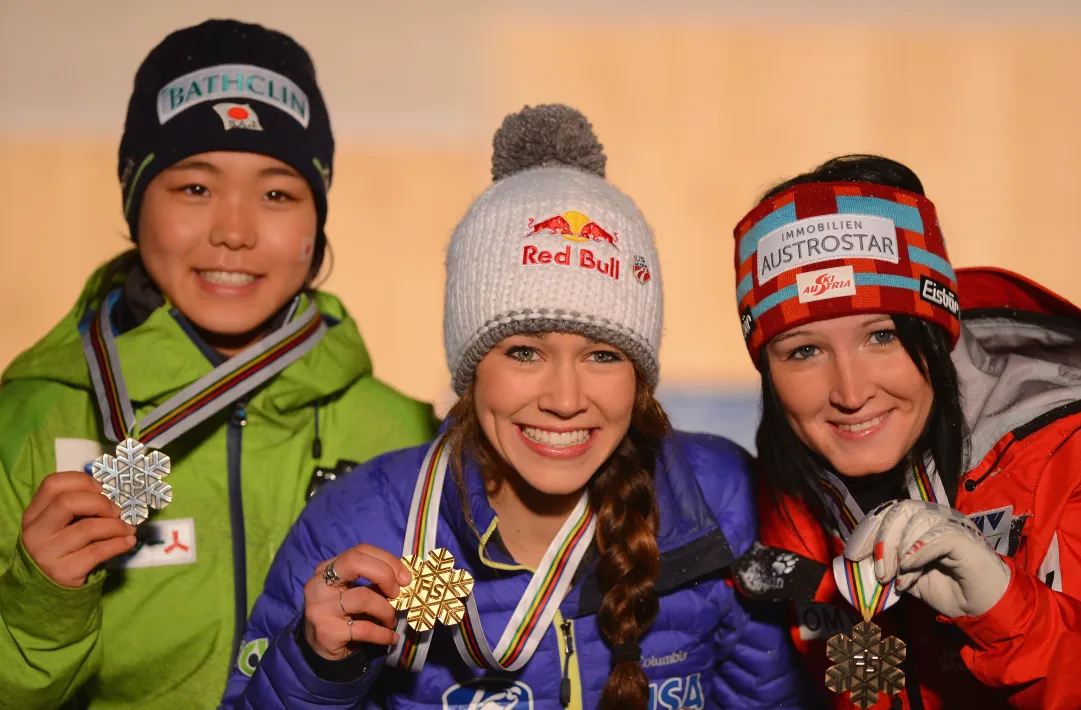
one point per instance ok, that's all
(238, 116)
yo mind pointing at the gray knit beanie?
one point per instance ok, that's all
(551, 247)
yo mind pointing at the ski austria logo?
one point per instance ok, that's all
(826, 283)
(641, 270)
(248, 658)
(677, 694)
(238, 116)
(489, 693)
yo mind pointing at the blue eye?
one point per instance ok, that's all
(606, 356)
(522, 353)
(883, 337)
(804, 352)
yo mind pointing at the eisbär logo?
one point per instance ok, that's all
(575, 227)
(826, 283)
(939, 294)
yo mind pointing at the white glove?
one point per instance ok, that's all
(936, 554)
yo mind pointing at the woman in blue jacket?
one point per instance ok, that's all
(576, 545)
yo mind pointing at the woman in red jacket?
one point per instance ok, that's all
(952, 421)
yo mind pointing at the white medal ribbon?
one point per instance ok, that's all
(531, 618)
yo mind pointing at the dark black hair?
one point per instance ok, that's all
(856, 168)
(788, 466)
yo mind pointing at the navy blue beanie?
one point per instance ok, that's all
(232, 86)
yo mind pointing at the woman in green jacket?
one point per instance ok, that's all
(199, 378)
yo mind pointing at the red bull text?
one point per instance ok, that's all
(583, 259)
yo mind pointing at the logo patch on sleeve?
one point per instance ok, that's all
(160, 543)
(248, 658)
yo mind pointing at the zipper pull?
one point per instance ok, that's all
(565, 684)
(240, 416)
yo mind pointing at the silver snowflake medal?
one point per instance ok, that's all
(435, 592)
(133, 480)
(866, 664)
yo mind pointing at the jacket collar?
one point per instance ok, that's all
(179, 357)
(690, 540)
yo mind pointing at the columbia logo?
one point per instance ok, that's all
(670, 659)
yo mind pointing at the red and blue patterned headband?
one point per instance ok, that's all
(825, 250)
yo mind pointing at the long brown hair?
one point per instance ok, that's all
(622, 495)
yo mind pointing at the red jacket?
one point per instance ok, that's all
(1020, 365)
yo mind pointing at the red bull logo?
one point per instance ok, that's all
(575, 227)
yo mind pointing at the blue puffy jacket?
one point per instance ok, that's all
(707, 649)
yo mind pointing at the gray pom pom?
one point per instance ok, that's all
(552, 134)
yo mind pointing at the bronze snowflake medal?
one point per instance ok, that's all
(866, 664)
(435, 592)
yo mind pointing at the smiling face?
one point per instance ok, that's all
(229, 238)
(850, 391)
(554, 407)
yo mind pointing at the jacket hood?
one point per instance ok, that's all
(1019, 356)
(161, 355)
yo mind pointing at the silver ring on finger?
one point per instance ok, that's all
(330, 577)
(342, 603)
(350, 622)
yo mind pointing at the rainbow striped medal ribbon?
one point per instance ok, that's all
(865, 664)
(133, 477)
(535, 610)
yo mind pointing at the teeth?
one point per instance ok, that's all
(862, 425)
(557, 439)
(227, 278)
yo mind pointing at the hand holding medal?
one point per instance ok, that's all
(338, 615)
(865, 664)
(435, 592)
(69, 529)
(934, 553)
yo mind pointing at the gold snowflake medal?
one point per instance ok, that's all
(866, 665)
(436, 591)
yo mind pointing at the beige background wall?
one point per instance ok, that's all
(701, 106)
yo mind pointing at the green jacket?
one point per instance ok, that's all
(159, 632)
